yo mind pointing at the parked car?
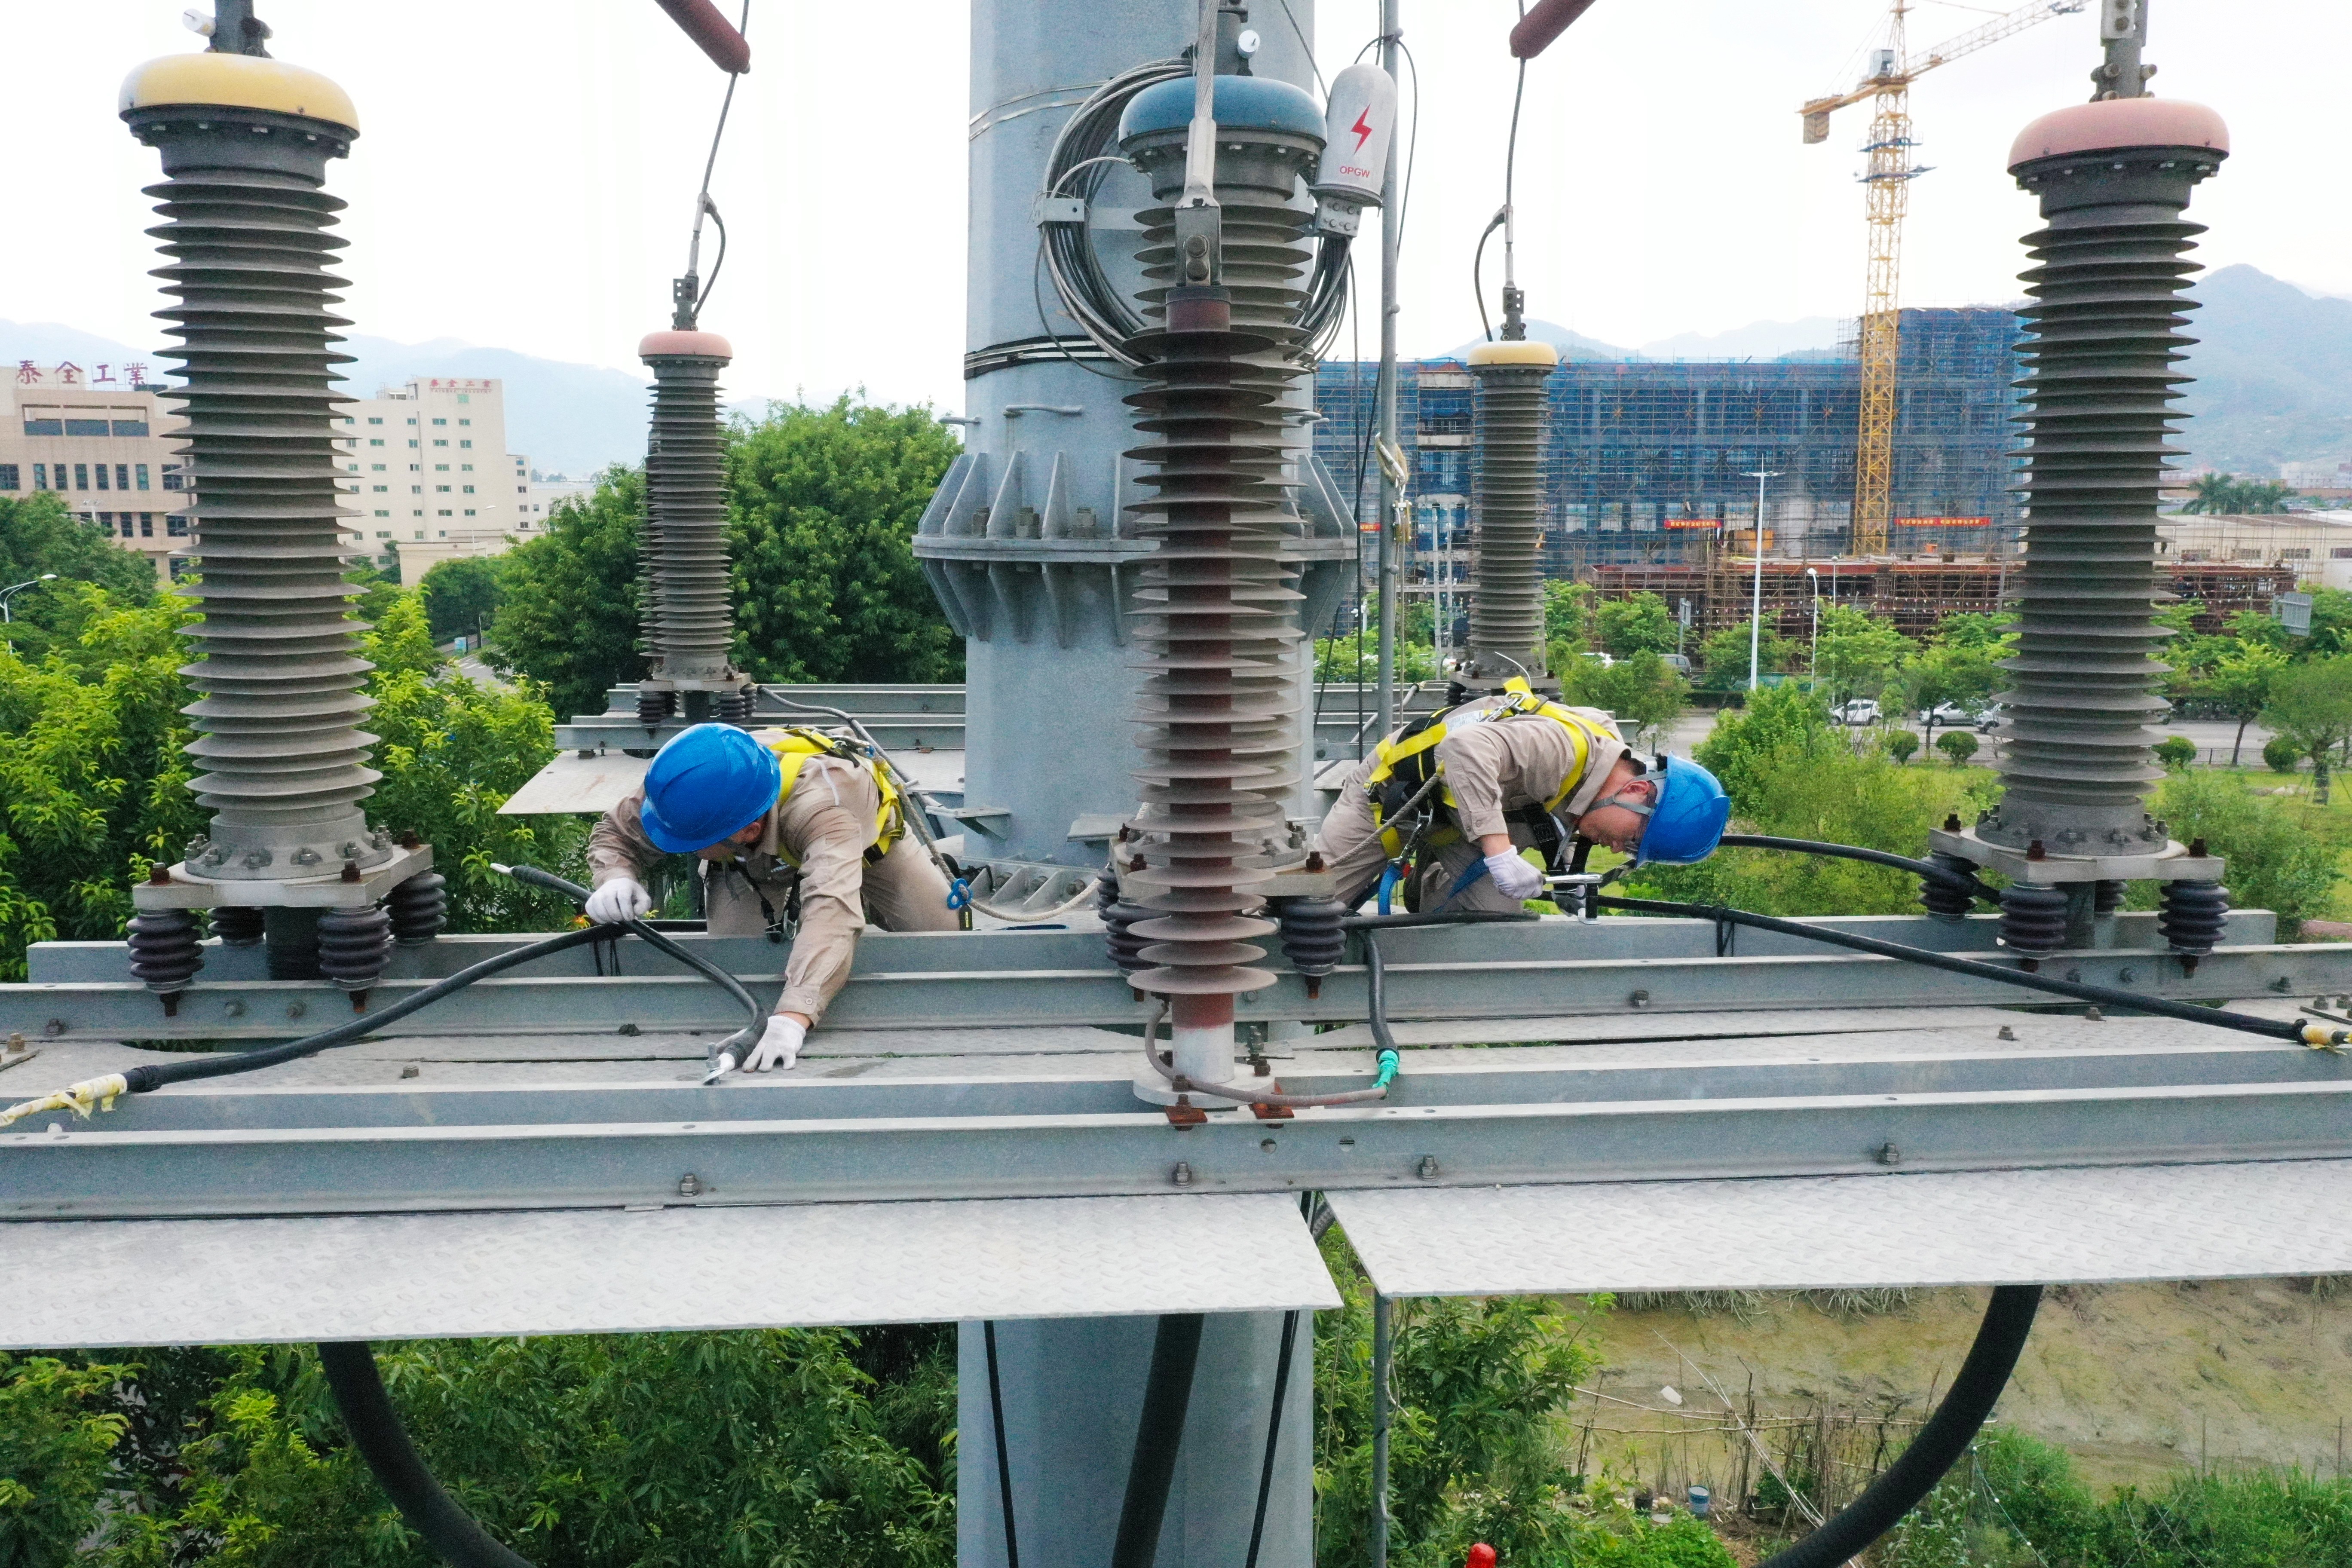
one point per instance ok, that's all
(1991, 718)
(1861, 710)
(1677, 662)
(1951, 715)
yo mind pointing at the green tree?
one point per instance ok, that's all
(2239, 683)
(824, 504)
(1568, 612)
(94, 788)
(2213, 493)
(2280, 755)
(1858, 653)
(1958, 745)
(57, 1435)
(568, 608)
(2176, 752)
(1632, 624)
(452, 753)
(461, 596)
(2311, 705)
(1902, 745)
(38, 536)
(1963, 673)
(601, 1451)
(1778, 723)
(1642, 691)
(1724, 656)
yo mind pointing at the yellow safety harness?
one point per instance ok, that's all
(795, 747)
(1404, 763)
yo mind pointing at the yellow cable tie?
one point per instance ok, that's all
(2324, 1038)
(81, 1099)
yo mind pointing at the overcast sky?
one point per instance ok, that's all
(525, 171)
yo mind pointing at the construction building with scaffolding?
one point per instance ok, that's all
(1647, 462)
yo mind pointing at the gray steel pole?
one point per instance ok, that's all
(1391, 233)
(1383, 1345)
(1755, 596)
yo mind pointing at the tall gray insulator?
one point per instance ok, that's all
(686, 501)
(281, 761)
(1269, 141)
(1217, 628)
(1507, 611)
(2113, 178)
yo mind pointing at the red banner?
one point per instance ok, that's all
(1943, 522)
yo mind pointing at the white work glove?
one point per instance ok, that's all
(780, 1047)
(1514, 877)
(621, 899)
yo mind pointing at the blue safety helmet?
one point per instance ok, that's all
(1686, 821)
(709, 783)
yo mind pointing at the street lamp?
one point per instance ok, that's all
(1814, 659)
(1756, 595)
(8, 593)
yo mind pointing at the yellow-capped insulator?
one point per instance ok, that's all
(237, 81)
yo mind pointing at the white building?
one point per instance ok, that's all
(103, 438)
(2327, 474)
(546, 495)
(429, 475)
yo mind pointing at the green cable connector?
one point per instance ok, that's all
(1389, 1064)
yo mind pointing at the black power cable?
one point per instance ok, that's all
(1927, 869)
(1273, 1434)
(2313, 1035)
(2008, 1320)
(1003, 1459)
(398, 1468)
(1159, 1436)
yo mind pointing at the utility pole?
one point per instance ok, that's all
(1755, 596)
(1391, 486)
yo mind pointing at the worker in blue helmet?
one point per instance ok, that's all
(1456, 799)
(797, 832)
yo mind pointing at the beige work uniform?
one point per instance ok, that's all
(1492, 767)
(826, 823)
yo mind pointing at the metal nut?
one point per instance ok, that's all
(54, 1026)
(409, 1071)
(1181, 1175)
(1888, 1155)
(296, 1009)
(1638, 999)
(1427, 1169)
(689, 1184)
(233, 1009)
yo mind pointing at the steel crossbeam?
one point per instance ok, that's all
(1043, 979)
(1451, 1122)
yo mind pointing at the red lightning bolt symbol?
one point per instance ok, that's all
(1361, 128)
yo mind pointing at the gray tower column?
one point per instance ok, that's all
(1028, 543)
(1037, 562)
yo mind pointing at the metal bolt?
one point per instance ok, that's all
(1266, 1144)
(1888, 1155)
(296, 1009)
(409, 1071)
(351, 870)
(159, 875)
(1181, 1175)
(1315, 859)
(629, 1030)
(16, 1045)
(2006, 1033)
(2126, 975)
(2281, 985)
(2075, 976)
(408, 839)
(2092, 1015)
(1427, 1170)
(233, 1007)
(1638, 999)
(54, 1026)
(689, 1184)
(1952, 823)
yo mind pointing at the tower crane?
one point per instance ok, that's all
(1893, 69)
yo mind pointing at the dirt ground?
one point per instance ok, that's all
(2135, 1381)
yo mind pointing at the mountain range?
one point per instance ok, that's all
(2273, 365)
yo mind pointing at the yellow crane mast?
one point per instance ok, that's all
(1888, 183)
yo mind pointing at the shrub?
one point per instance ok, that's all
(1902, 745)
(2176, 752)
(2281, 755)
(1957, 744)
(2281, 853)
